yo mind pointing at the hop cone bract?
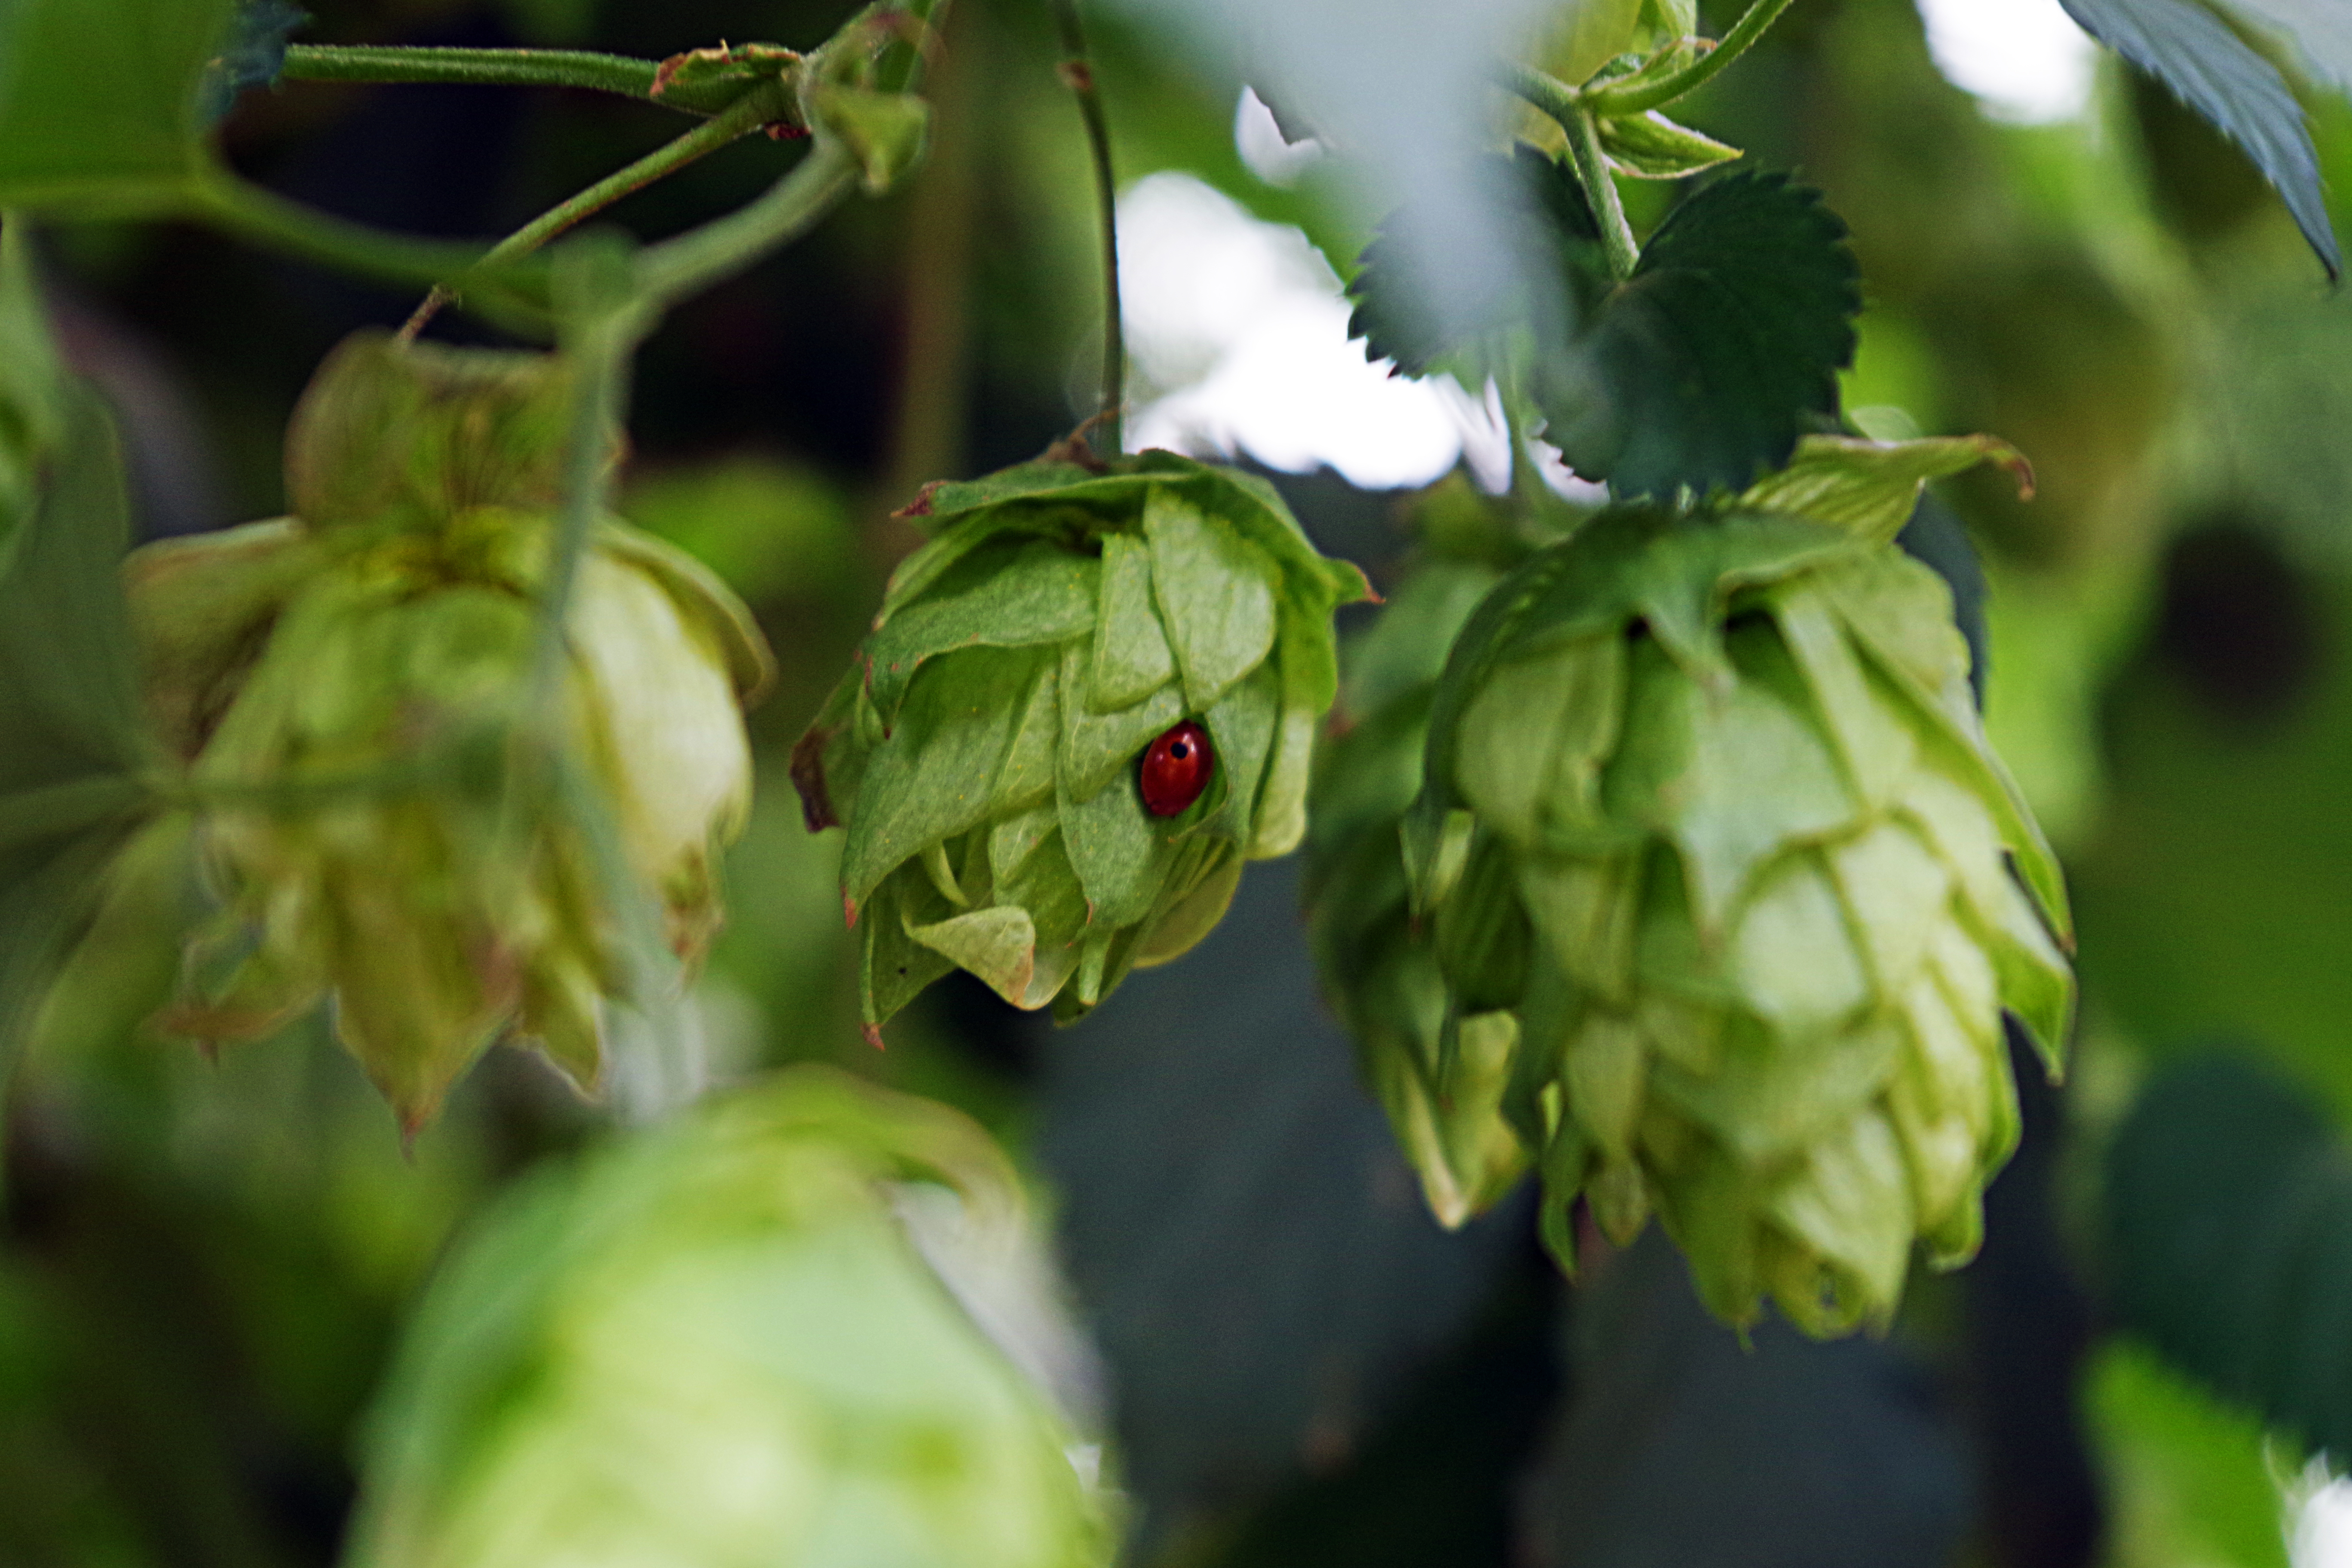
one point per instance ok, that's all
(984, 753)
(1708, 812)
(347, 686)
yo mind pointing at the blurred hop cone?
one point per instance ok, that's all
(351, 687)
(1086, 701)
(1717, 866)
(711, 1344)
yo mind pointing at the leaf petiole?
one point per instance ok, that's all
(1600, 189)
(619, 74)
(1640, 100)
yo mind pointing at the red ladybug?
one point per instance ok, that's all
(1176, 768)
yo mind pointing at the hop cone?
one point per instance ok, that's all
(346, 684)
(1379, 969)
(711, 1343)
(992, 753)
(1707, 810)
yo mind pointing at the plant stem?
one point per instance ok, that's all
(746, 115)
(1078, 71)
(619, 74)
(1750, 27)
(1546, 92)
(1600, 190)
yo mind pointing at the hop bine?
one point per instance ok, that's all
(1085, 703)
(350, 687)
(1717, 868)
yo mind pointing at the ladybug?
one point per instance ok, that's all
(1175, 769)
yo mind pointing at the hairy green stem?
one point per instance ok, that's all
(1600, 190)
(1750, 27)
(1547, 92)
(621, 74)
(1078, 71)
(746, 115)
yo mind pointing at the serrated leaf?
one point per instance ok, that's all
(2228, 1216)
(1649, 146)
(2321, 30)
(1702, 369)
(2193, 53)
(128, 134)
(1871, 488)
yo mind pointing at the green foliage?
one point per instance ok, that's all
(1698, 372)
(2228, 1198)
(76, 759)
(2183, 45)
(713, 1343)
(129, 136)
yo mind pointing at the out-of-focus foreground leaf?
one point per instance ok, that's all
(1682, 1446)
(2194, 52)
(72, 738)
(1252, 1253)
(712, 1345)
(126, 132)
(2229, 1211)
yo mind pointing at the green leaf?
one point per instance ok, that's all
(1132, 654)
(2229, 1215)
(1871, 488)
(1701, 370)
(2183, 45)
(1651, 147)
(32, 383)
(74, 747)
(2321, 29)
(1121, 859)
(100, 99)
(886, 131)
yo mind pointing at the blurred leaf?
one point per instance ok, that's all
(32, 383)
(2321, 29)
(885, 130)
(124, 134)
(712, 1345)
(1252, 1252)
(2188, 1481)
(2228, 1212)
(2194, 52)
(73, 741)
(1680, 1445)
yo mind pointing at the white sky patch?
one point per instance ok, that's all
(1240, 330)
(2025, 60)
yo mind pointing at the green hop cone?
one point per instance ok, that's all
(1379, 968)
(1709, 810)
(711, 1343)
(347, 686)
(988, 752)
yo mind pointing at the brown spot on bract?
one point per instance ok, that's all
(808, 778)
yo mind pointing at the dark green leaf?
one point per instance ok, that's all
(73, 742)
(32, 385)
(126, 131)
(2209, 67)
(2229, 1211)
(1702, 370)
